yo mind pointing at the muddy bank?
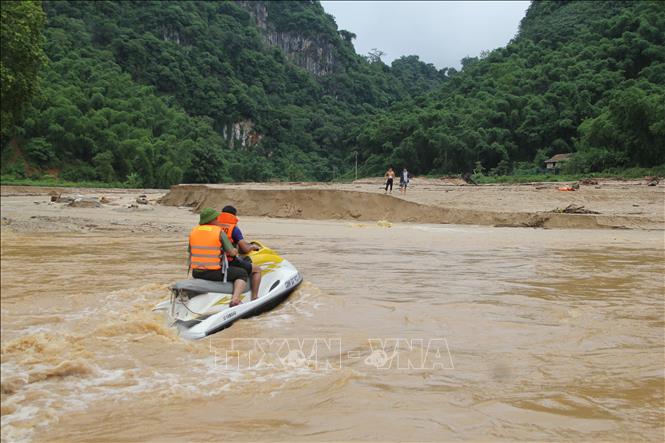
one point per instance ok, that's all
(330, 204)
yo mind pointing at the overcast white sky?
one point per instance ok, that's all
(439, 32)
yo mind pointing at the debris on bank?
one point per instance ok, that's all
(81, 201)
(573, 209)
(652, 181)
(85, 202)
(573, 187)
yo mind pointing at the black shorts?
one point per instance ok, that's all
(242, 263)
(232, 274)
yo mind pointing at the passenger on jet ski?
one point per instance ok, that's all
(228, 221)
(207, 245)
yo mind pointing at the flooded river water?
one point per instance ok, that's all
(413, 332)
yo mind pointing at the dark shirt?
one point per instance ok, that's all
(236, 235)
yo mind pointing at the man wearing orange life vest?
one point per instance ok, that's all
(228, 221)
(207, 245)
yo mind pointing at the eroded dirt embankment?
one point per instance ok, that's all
(325, 204)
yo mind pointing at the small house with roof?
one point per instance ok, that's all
(556, 161)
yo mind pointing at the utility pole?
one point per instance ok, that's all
(356, 165)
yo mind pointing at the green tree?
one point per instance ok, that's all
(40, 151)
(631, 126)
(21, 56)
(207, 166)
(104, 166)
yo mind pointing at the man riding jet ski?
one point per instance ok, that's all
(210, 251)
(228, 221)
(218, 294)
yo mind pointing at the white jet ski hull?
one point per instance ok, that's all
(199, 308)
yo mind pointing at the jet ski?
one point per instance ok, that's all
(199, 308)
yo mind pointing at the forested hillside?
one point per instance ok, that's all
(580, 76)
(154, 93)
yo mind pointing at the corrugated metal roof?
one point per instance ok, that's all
(558, 158)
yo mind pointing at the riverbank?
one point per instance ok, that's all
(611, 204)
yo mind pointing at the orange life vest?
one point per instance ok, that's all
(205, 247)
(227, 222)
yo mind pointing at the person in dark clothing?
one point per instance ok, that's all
(390, 176)
(228, 221)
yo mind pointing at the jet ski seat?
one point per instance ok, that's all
(200, 286)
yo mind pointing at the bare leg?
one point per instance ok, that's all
(238, 288)
(256, 281)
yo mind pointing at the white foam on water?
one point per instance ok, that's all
(118, 317)
(304, 302)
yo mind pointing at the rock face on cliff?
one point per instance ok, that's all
(313, 53)
(241, 135)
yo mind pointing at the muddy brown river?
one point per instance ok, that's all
(412, 332)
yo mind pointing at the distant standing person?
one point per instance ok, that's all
(390, 176)
(403, 180)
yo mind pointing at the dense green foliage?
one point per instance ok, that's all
(580, 76)
(152, 90)
(154, 93)
(21, 56)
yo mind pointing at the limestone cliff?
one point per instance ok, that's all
(241, 135)
(316, 54)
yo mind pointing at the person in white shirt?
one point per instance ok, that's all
(403, 180)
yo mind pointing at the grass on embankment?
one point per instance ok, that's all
(9, 180)
(618, 174)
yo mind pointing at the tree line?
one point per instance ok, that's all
(584, 77)
(146, 94)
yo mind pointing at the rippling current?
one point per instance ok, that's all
(414, 332)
